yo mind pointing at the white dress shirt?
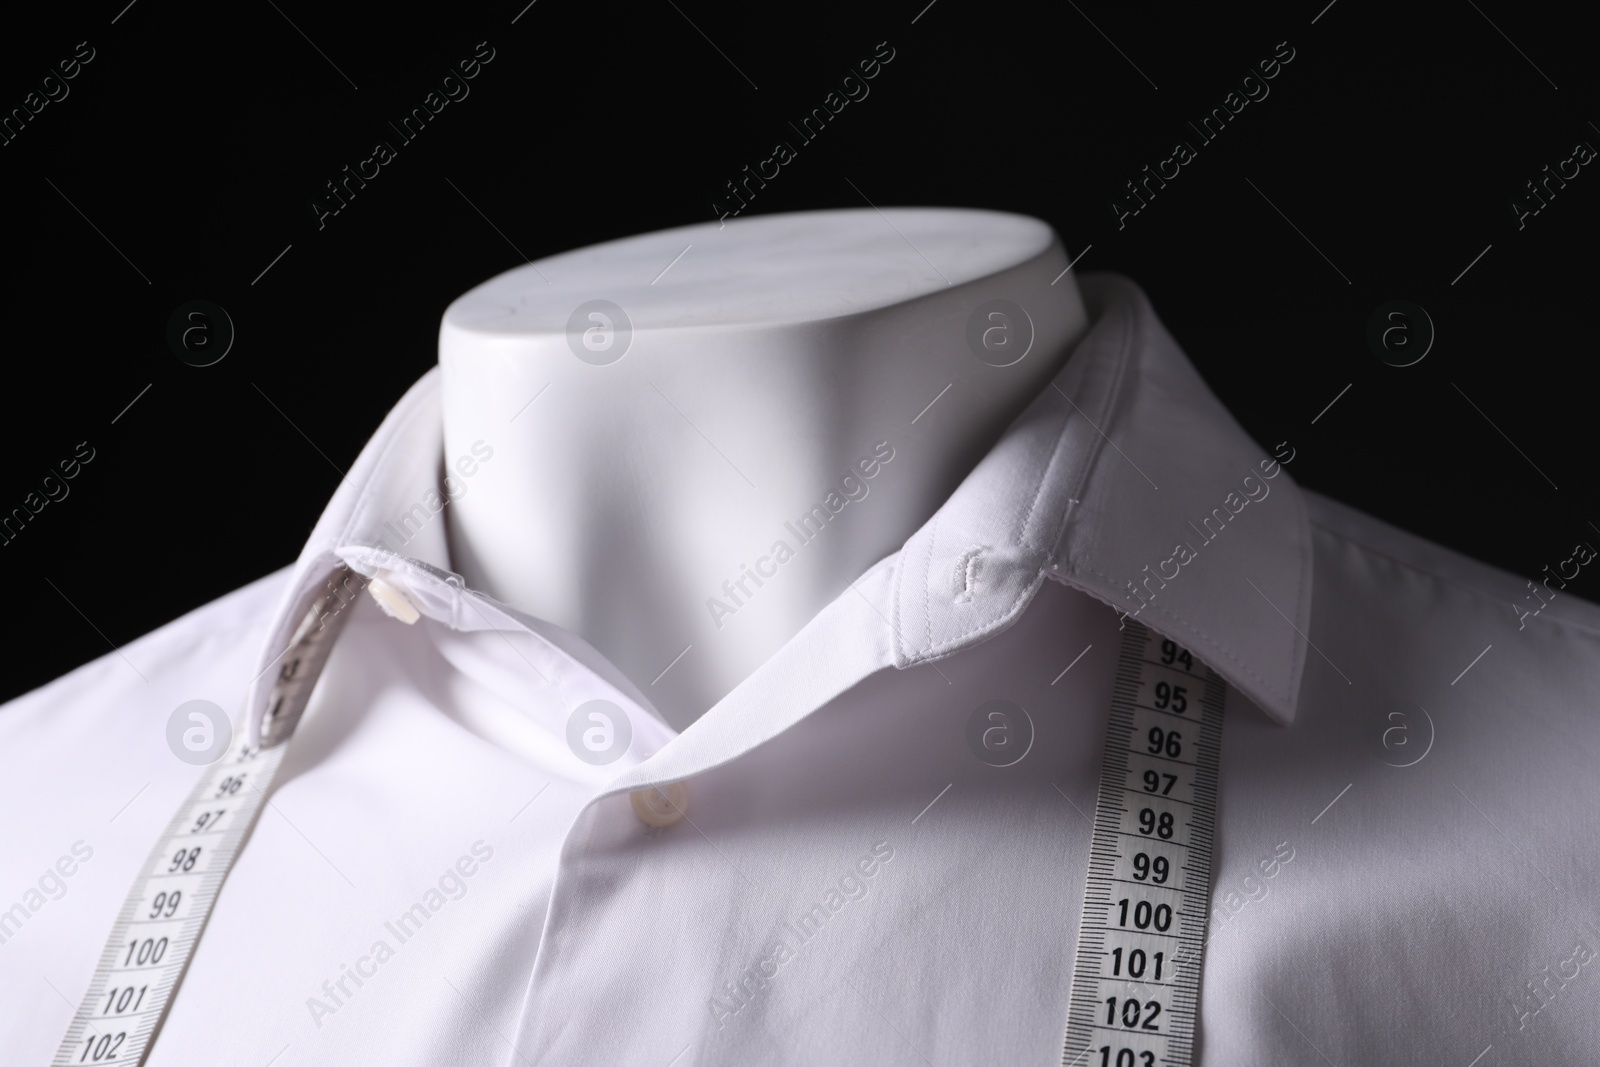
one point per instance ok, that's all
(1408, 823)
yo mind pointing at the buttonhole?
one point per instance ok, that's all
(966, 575)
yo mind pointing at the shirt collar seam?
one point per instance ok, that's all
(1587, 629)
(1212, 642)
(365, 493)
(1119, 364)
(1125, 327)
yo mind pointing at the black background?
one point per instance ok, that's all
(187, 154)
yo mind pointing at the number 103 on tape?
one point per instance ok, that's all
(1136, 978)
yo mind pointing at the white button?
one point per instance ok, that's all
(660, 806)
(393, 601)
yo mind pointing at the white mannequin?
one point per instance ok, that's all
(632, 500)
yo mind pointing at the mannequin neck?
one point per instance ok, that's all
(685, 474)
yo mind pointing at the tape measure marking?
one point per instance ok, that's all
(1135, 988)
(163, 915)
(1136, 978)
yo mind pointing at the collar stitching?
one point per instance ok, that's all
(950, 645)
(1121, 364)
(1207, 638)
(365, 493)
(1125, 328)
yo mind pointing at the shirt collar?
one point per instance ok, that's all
(1125, 478)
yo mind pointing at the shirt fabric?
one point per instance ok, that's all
(1406, 846)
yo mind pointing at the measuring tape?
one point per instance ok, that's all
(1136, 980)
(164, 913)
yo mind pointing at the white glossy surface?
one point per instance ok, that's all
(629, 501)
